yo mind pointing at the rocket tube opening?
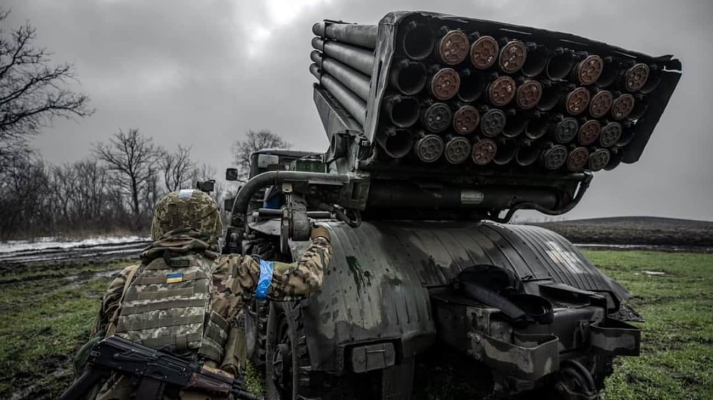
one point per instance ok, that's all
(527, 155)
(608, 74)
(515, 125)
(484, 151)
(501, 91)
(429, 148)
(457, 150)
(589, 132)
(636, 77)
(566, 130)
(418, 42)
(600, 104)
(536, 62)
(403, 111)
(651, 84)
(555, 157)
(599, 159)
(577, 159)
(550, 97)
(492, 122)
(472, 85)
(559, 65)
(589, 70)
(528, 94)
(577, 101)
(615, 158)
(453, 47)
(536, 127)
(484, 52)
(639, 110)
(610, 134)
(627, 135)
(445, 84)
(409, 78)
(622, 106)
(512, 56)
(465, 120)
(396, 142)
(505, 154)
(437, 117)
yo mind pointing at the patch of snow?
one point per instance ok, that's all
(53, 243)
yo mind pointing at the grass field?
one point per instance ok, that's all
(45, 314)
(636, 230)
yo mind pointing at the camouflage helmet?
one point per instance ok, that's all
(186, 209)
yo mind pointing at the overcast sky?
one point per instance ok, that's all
(202, 73)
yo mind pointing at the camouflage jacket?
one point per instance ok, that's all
(235, 277)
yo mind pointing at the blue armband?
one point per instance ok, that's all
(263, 283)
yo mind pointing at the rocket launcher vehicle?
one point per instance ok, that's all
(452, 104)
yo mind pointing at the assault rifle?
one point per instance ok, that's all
(155, 368)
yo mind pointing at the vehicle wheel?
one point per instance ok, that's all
(288, 371)
(256, 332)
(573, 382)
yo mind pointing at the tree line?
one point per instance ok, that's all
(112, 190)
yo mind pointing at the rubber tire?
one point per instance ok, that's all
(307, 384)
(291, 314)
(256, 332)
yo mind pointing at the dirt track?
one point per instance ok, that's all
(84, 252)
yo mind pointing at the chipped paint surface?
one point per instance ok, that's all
(566, 258)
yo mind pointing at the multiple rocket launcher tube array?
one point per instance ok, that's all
(466, 97)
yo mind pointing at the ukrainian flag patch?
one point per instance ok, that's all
(174, 278)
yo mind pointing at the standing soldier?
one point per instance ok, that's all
(184, 297)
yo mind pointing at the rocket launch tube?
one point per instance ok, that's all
(355, 81)
(355, 57)
(359, 35)
(408, 77)
(347, 98)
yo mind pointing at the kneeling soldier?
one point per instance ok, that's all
(184, 297)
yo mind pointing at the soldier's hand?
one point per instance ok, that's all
(319, 231)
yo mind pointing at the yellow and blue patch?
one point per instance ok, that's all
(174, 278)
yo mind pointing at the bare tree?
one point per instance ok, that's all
(177, 168)
(63, 187)
(33, 91)
(134, 159)
(254, 141)
(23, 208)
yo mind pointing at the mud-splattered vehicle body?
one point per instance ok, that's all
(422, 256)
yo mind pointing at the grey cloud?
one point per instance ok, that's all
(198, 73)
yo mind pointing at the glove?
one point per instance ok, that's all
(320, 231)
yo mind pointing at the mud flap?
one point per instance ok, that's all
(615, 338)
(531, 358)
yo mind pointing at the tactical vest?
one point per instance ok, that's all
(168, 304)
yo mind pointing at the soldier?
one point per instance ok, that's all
(185, 297)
